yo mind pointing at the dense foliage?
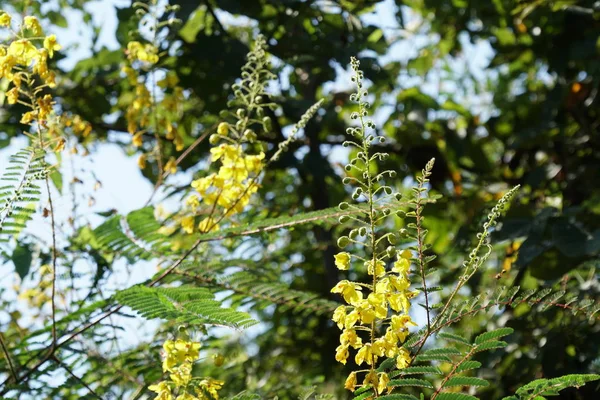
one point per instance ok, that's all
(467, 213)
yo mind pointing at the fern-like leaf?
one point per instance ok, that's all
(183, 304)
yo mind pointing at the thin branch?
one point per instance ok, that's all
(8, 359)
(78, 379)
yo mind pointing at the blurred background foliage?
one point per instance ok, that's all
(528, 115)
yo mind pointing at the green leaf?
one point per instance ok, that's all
(375, 36)
(453, 338)
(553, 386)
(410, 382)
(183, 304)
(57, 180)
(491, 335)
(418, 369)
(397, 397)
(491, 345)
(455, 396)
(466, 381)
(22, 258)
(467, 365)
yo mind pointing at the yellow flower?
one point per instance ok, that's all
(379, 305)
(51, 45)
(179, 352)
(193, 201)
(136, 140)
(401, 321)
(61, 145)
(23, 51)
(4, 19)
(171, 166)
(403, 358)
(163, 389)
(188, 223)
(212, 386)
(342, 261)
(341, 353)
(379, 269)
(45, 106)
(398, 302)
(12, 95)
(351, 381)
(207, 225)
(384, 379)
(142, 161)
(339, 316)
(254, 163)
(225, 151)
(146, 53)
(351, 319)
(182, 375)
(350, 338)
(365, 311)
(130, 73)
(401, 266)
(365, 354)
(350, 291)
(406, 254)
(33, 25)
(371, 379)
(28, 117)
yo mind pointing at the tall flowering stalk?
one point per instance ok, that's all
(178, 359)
(366, 322)
(24, 63)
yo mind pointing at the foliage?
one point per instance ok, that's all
(236, 113)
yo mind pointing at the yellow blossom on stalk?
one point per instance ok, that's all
(208, 224)
(12, 95)
(33, 24)
(163, 390)
(60, 146)
(365, 321)
(5, 19)
(27, 117)
(351, 382)
(384, 379)
(188, 223)
(351, 292)
(141, 162)
(171, 166)
(342, 260)
(212, 386)
(182, 374)
(51, 45)
(178, 352)
(23, 51)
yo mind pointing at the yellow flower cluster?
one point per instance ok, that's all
(367, 312)
(230, 188)
(179, 356)
(156, 111)
(146, 53)
(20, 60)
(39, 295)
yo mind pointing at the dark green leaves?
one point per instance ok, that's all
(21, 257)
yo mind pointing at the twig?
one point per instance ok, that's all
(66, 368)
(8, 359)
